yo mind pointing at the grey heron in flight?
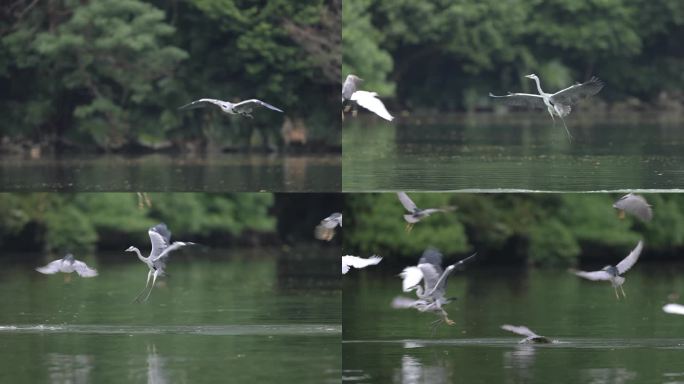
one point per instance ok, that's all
(432, 295)
(326, 229)
(243, 108)
(68, 264)
(675, 309)
(635, 205)
(417, 214)
(557, 104)
(349, 261)
(613, 273)
(530, 337)
(160, 237)
(368, 100)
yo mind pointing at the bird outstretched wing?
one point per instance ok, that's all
(171, 248)
(577, 92)
(631, 259)
(160, 237)
(527, 100)
(401, 302)
(201, 103)
(370, 101)
(332, 221)
(51, 268)
(83, 270)
(635, 205)
(406, 201)
(411, 276)
(519, 329)
(594, 275)
(247, 105)
(430, 211)
(349, 261)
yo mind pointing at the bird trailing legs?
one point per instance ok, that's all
(566, 128)
(149, 275)
(624, 295)
(154, 279)
(409, 227)
(446, 318)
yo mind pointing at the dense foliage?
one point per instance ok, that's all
(448, 55)
(110, 74)
(58, 222)
(540, 229)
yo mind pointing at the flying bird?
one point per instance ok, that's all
(417, 214)
(243, 108)
(68, 265)
(530, 337)
(326, 229)
(432, 295)
(675, 309)
(349, 261)
(557, 104)
(613, 273)
(634, 205)
(368, 100)
(160, 237)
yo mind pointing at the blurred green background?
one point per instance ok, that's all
(446, 55)
(60, 222)
(110, 74)
(537, 229)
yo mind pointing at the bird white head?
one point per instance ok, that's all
(531, 76)
(354, 78)
(130, 249)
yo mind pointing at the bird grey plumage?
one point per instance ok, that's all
(243, 108)
(557, 104)
(68, 264)
(351, 94)
(349, 261)
(635, 205)
(530, 337)
(160, 238)
(613, 273)
(432, 295)
(325, 230)
(350, 85)
(417, 214)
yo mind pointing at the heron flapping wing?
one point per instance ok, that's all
(594, 275)
(631, 259)
(349, 261)
(577, 92)
(406, 201)
(622, 267)
(635, 205)
(401, 302)
(160, 237)
(247, 105)
(332, 221)
(67, 265)
(411, 277)
(201, 103)
(370, 101)
(519, 330)
(83, 270)
(172, 247)
(527, 100)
